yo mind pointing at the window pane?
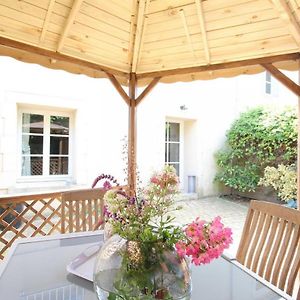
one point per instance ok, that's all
(59, 125)
(32, 166)
(176, 166)
(268, 88)
(174, 152)
(32, 144)
(167, 131)
(174, 132)
(59, 165)
(59, 145)
(32, 123)
(166, 153)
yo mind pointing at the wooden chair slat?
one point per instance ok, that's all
(283, 249)
(253, 248)
(289, 257)
(249, 227)
(270, 244)
(262, 241)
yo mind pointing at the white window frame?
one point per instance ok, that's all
(181, 148)
(46, 144)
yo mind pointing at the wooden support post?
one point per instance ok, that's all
(132, 134)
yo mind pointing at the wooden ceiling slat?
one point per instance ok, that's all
(213, 15)
(97, 53)
(61, 10)
(110, 19)
(57, 56)
(112, 8)
(180, 44)
(176, 33)
(121, 34)
(262, 47)
(231, 23)
(41, 3)
(20, 16)
(97, 58)
(219, 55)
(81, 43)
(158, 6)
(221, 66)
(26, 8)
(88, 32)
(287, 16)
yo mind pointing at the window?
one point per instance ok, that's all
(172, 145)
(45, 144)
(268, 87)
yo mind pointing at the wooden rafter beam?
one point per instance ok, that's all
(133, 19)
(222, 66)
(52, 55)
(290, 84)
(119, 88)
(187, 33)
(200, 14)
(139, 33)
(74, 10)
(147, 90)
(287, 16)
(47, 20)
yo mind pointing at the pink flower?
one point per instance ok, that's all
(204, 240)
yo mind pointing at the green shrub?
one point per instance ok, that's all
(261, 137)
(283, 179)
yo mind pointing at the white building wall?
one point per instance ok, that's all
(101, 122)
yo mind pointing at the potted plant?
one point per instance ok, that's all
(284, 181)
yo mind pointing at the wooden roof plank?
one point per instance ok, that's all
(75, 9)
(288, 18)
(220, 66)
(57, 56)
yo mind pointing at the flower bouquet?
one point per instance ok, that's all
(145, 256)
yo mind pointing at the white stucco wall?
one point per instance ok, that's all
(101, 122)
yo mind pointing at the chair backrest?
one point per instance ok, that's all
(270, 243)
(81, 209)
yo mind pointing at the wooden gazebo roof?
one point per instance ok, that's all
(177, 40)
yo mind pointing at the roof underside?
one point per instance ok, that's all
(180, 40)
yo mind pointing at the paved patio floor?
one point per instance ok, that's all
(233, 214)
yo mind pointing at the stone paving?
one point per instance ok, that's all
(233, 214)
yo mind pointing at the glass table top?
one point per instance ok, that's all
(35, 269)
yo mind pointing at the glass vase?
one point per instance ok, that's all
(135, 270)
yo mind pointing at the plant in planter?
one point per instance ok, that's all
(284, 181)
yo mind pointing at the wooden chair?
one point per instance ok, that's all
(81, 209)
(270, 243)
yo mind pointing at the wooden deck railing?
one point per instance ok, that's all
(41, 214)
